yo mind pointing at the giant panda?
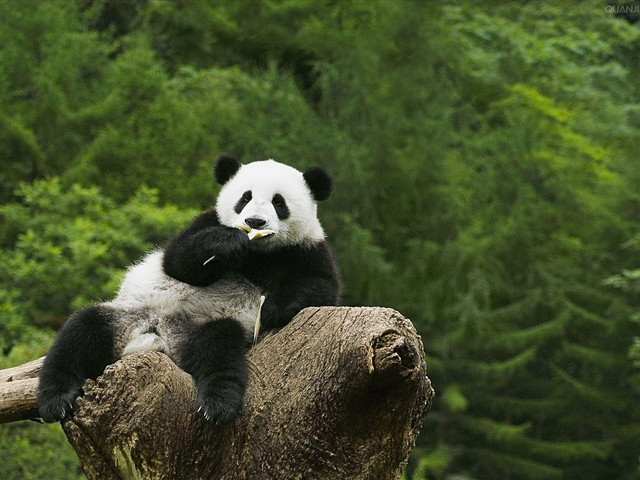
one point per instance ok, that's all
(197, 299)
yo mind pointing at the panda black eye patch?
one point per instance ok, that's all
(246, 198)
(280, 205)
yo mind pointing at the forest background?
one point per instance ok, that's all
(487, 186)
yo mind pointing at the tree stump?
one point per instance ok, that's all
(339, 393)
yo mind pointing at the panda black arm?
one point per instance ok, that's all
(300, 277)
(186, 253)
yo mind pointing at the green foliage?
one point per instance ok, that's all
(435, 462)
(485, 157)
(67, 248)
(37, 451)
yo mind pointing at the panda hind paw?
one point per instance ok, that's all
(218, 412)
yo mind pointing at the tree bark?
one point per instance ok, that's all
(339, 393)
(18, 390)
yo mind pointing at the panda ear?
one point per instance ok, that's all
(319, 182)
(225, 168)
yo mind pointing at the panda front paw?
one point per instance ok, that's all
(54, 406)
(225, 242)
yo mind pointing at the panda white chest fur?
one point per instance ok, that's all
(157, 312)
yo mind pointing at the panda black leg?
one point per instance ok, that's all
(215, 356)
(83, 349)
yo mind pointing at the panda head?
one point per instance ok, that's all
(268, 195)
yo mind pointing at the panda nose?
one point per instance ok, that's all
(255, 222)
